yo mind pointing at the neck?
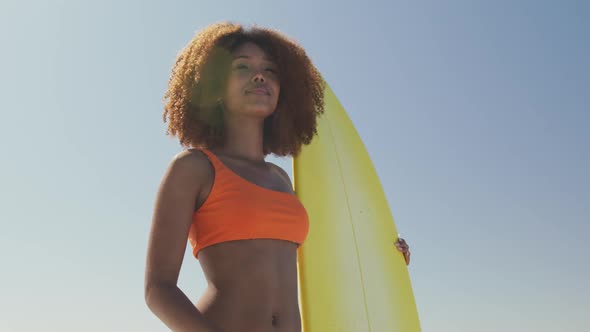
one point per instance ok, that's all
(244, 138)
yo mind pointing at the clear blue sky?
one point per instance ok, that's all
(475, 114)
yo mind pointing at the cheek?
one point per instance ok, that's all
(233, 88)
(276, 86)
(277, 95)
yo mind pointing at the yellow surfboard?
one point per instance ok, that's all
(351, 277)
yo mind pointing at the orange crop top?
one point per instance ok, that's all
(237, 209)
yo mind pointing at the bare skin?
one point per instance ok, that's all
(252, 284)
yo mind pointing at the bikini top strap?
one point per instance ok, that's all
(217, 163)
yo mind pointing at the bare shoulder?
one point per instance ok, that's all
(191, 167)
(193, 159)
(281, 172)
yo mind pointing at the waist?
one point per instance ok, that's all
(255, 309)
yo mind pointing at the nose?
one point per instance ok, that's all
(258, 77)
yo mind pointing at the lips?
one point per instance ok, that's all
(258, 91)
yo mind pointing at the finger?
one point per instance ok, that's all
(401, 241)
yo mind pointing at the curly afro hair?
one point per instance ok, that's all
(198, 80)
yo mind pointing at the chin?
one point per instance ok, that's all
(260, 110)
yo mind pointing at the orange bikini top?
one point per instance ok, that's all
(237, 209)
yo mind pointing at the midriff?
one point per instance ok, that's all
(252, 286)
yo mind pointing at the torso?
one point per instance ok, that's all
(252, 284)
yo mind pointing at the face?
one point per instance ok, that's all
(253, 83)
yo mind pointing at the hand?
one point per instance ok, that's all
(402, 246)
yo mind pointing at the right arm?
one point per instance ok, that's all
(171, 222)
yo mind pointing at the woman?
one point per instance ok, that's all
(234, 96)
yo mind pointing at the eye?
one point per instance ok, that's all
(241, 66)
(272, 70)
